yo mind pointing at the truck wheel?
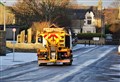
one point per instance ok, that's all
(68, 64)
(42, 64)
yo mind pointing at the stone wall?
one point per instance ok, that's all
(27, 38)
(2, 43)
(24, 47)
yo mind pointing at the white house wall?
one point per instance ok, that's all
(76, 31)
(89, 15)
(89, 28)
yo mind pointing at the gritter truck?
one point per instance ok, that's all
(57, 43)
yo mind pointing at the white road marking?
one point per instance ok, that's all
(74, 56)
(59, 77)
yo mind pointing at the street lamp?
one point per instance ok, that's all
(4, 16)
(14, 30)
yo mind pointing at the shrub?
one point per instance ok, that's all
(89, 35)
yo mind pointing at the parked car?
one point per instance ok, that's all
(108, 37)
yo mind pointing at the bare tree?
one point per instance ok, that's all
(29, 11)
(113, 19)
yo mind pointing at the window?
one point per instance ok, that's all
(88, 21)
(40, 39)
(89, 18)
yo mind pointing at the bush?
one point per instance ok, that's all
(89, 35)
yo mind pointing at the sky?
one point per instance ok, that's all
(106, 3)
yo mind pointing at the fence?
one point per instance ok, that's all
(2, 43)
(90, 42)
(103, 41)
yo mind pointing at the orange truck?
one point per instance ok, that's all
(57, 43)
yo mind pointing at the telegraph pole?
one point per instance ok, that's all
(4, 17)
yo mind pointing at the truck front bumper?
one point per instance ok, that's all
(56, 61)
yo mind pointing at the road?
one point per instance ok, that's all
(90, 64)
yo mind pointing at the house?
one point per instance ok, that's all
(89, 24)
(87, 19)
(9, 17)
(9, 31)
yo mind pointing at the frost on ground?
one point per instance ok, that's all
(115, 67)
(17, 58)
(20, 58)
(78, 46)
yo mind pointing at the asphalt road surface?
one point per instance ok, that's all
(90, 64)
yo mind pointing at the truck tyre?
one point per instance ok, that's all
(68, 64)
(42, 64)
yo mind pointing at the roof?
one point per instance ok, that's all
(53, 26)
(9, 26)
(80, 13)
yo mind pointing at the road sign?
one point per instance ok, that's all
(96, 38)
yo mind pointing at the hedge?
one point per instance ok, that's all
(89, 35)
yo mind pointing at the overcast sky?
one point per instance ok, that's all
(106, 3)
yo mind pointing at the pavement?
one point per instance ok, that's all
(17, 58)
(13, 59)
